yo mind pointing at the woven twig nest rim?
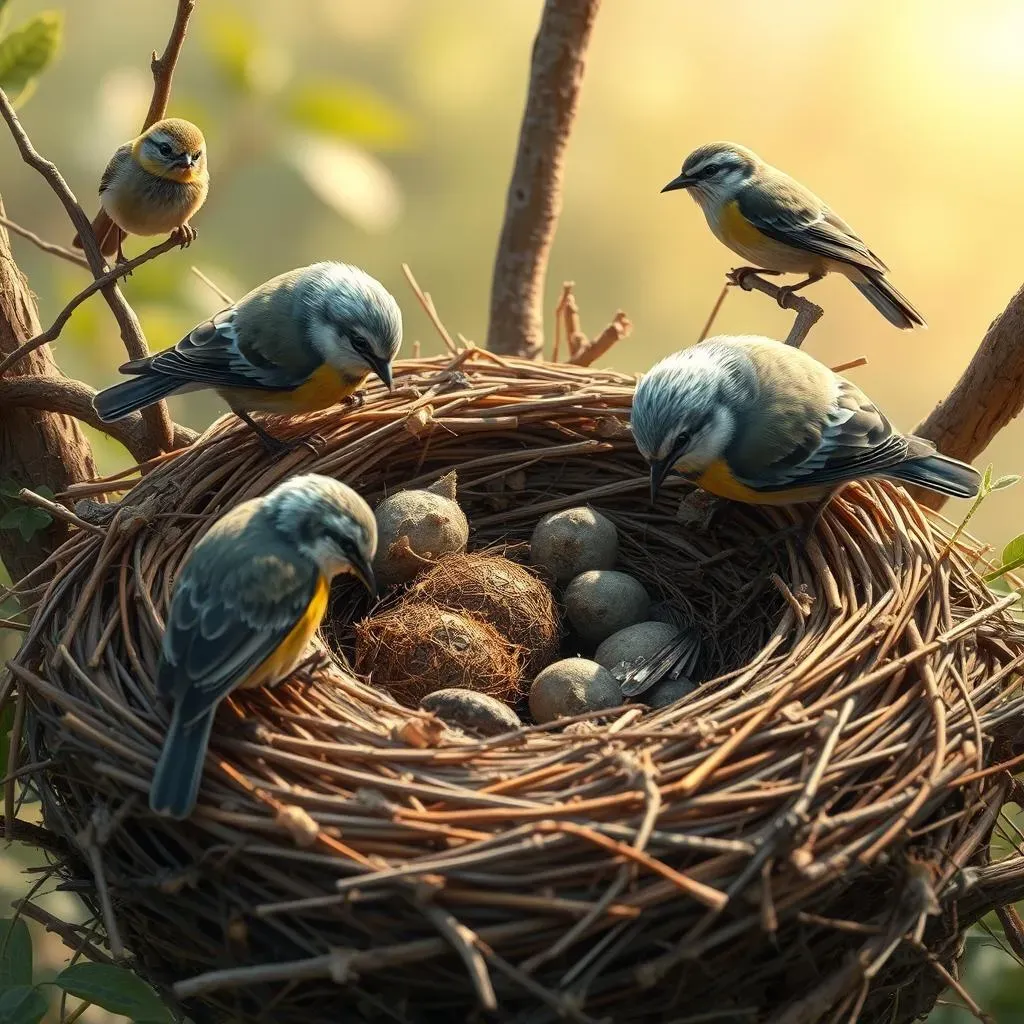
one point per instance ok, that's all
(764, 847)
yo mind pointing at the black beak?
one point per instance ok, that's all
(363, 571)
(185, 160)
(660, 469)
(682, 181)
(382, 368)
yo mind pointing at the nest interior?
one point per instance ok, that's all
(804, 838)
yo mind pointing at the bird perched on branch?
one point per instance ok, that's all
(753, 420)
(245, 605)
(153, 185)
(781, 227)
(298, 343)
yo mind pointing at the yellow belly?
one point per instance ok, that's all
(326, 387)
(289, 653)
(718, 479)
(734, 230)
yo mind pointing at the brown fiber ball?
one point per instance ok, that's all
(502, 593)
(417, 648)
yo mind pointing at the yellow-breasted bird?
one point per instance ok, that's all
(300, 342)
(245, 605)
(153, 185)
(753, 420)
(775, 223)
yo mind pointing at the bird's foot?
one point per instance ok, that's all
(739, 276)
(354, 401)
(185, 235)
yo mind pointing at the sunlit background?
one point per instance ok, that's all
(382, 133)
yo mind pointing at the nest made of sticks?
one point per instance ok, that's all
(804, 838)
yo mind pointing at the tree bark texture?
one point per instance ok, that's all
(535, 193)
(36, 447)
(988, 395)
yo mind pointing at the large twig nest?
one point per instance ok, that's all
(786, 843)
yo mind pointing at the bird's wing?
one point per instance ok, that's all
(787, 212)
(853, 440)
(228, 615)
(118, 163)
(211, 355)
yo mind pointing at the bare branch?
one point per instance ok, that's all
(163, 66)
(52, 248)
(213, 286)
(534, 196)
(807, 313)
(989, 394)
(618, 329)
(157, 419)
(73, 398)
(53, 331)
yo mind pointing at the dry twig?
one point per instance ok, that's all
(807, 312)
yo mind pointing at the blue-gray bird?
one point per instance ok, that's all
(775, 223)
(753, 420)
(245, 605)
(300, 342)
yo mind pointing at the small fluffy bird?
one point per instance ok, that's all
(753, 420)
(781, 227)
(300, 342)
(245, 605)
(153, 185)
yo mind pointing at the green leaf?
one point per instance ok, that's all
(247, 62)
(28, 521)
(15, 941)
(27, 51)
(345, 110)
(1013, 551)
(1007, 480)
(115, 989)
(22, 1005)
(986, 479)
(9, 488)
(43, 491)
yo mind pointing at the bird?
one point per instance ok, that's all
(153, 185)
(750, 419)
(300, 342)
(771, 220)
(245, 604)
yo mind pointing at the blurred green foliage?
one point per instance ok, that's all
(27, 51)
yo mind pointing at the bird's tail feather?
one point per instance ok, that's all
(107, 233)
(895, 307)
(179, 771)
(942, 474)
(122, 399)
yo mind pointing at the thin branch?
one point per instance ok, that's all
(52, 333)
(713, 315)
(57, 511)
(989, 394)
(807, 313)
(67, 933)
(51, 247)
(213, 286)
(163, 66)
(157, 419)
(74, 398)
(618, 329)
(534, 196)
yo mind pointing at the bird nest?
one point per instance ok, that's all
(804, 838)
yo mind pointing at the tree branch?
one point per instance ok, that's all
(987, 396)
(41, 243)
(534, 196)
(53, 331)
(807, 313)
(36, 447)
(163, 66)
(59, 394)
(157, 419)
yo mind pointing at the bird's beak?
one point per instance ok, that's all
(382, 368)
(681, 181)
(660, 469)
(185, 160)
(363, 571)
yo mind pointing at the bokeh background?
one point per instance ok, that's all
(384, 133)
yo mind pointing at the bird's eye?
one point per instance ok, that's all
(710, 171)
(164, 148)
(197, 154)
(682, 442)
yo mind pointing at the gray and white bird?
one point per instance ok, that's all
(246, 603)
(771, 220)
(300, 342)
(753, 420)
